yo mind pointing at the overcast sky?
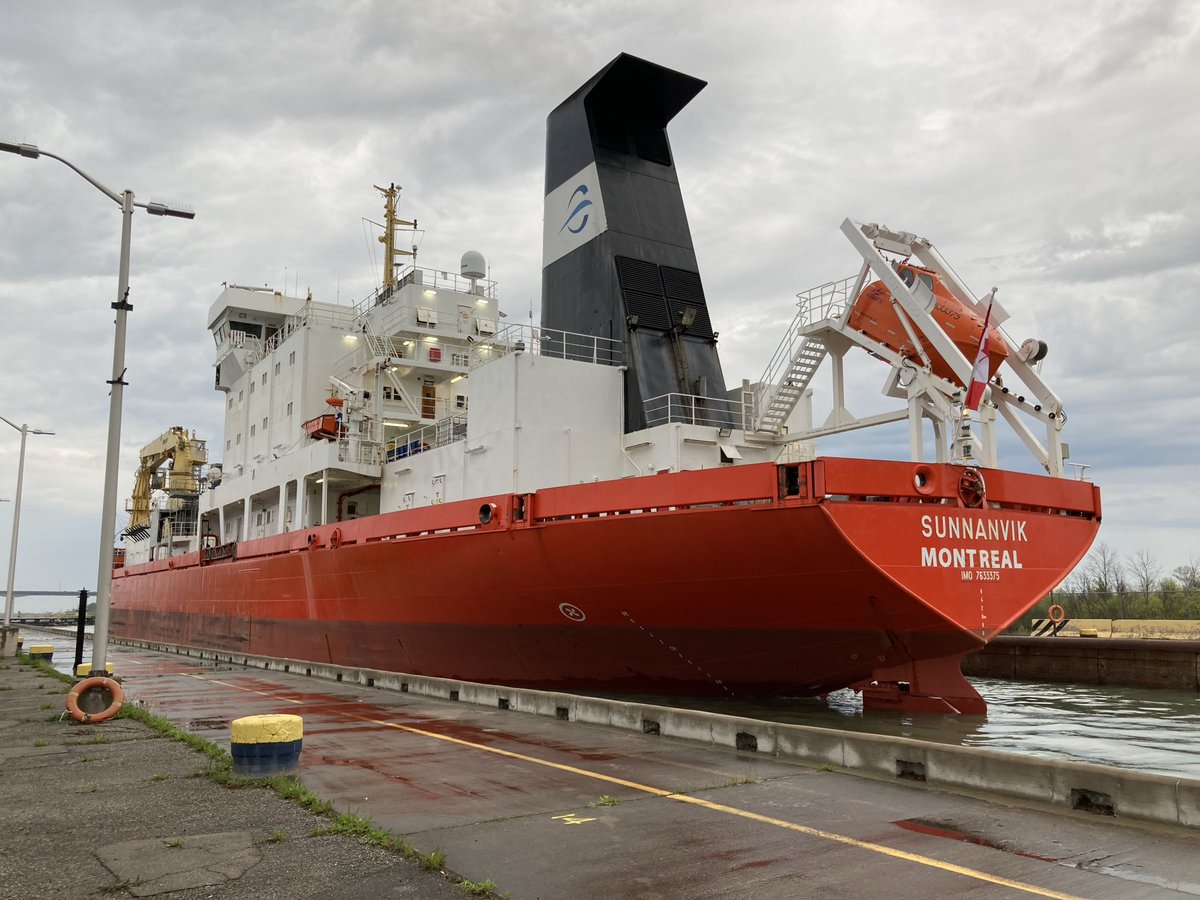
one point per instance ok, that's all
(1047, 149)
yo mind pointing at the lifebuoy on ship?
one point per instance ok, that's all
(1057, 614)
(100, 686)
(335, 538)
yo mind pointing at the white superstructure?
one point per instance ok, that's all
(421, 395)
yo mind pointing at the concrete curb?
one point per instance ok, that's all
(1059, 784)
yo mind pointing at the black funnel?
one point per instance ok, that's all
(618, 260)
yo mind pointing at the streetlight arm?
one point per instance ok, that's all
(111, 194)
(31, 151)
(154, 207)
(24, 428)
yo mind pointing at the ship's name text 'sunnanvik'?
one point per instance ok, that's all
(971, 529)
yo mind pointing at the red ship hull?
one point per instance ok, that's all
(757, 579)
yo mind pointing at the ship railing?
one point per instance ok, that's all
(552, 342)
(308, 314)
(181, 528)
(692, 409)
(434, 279)
(240, 340)
(825, 301)
(439, 434)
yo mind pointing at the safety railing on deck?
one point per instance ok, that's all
(552, 342)
(433, 279)
(439, 434)
(691, 409)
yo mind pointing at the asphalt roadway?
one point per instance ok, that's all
(543, 808)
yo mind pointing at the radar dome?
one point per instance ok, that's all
(473, 264)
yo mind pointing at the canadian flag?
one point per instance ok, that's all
(979, 377)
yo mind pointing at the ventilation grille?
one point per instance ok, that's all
(661, 295)
(639, 275)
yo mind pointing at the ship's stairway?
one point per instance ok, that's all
(373, 349)
(380, 346)
(800, 353)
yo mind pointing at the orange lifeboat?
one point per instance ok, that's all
(875, 316)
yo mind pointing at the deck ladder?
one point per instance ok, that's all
(799, 356)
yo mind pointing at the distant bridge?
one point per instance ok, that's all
(52, 619)
(51, 593)
(49, 620)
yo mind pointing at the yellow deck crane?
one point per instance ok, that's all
(186, 455)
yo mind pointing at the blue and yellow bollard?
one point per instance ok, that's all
(266, 745)
(41, 651)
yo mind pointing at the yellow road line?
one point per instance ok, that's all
(697, 801)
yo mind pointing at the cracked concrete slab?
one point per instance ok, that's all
(8, 754)
(159, 865)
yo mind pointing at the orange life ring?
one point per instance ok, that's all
(94, 683)
(335, 538)
(1057, 614)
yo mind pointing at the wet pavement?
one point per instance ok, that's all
(116, 810)
(554, 809)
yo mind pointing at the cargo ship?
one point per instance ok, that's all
(415, 485)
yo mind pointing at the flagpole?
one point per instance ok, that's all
(964, 449)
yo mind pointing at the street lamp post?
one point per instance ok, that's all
(108, 515)
(12, 548)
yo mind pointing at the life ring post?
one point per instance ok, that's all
(95, 699)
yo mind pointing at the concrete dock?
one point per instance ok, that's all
(1134, 662)
(550, 806)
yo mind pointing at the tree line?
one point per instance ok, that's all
(1109, 586)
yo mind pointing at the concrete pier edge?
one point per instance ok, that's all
(1056, 784)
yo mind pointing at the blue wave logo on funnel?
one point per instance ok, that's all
(576, 209)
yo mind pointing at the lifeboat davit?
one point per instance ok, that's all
(875, 315)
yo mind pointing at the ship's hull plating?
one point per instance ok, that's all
(755, 579)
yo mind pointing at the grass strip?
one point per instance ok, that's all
(288, 787)
(220, 770)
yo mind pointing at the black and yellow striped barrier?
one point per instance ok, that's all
(266, 745)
